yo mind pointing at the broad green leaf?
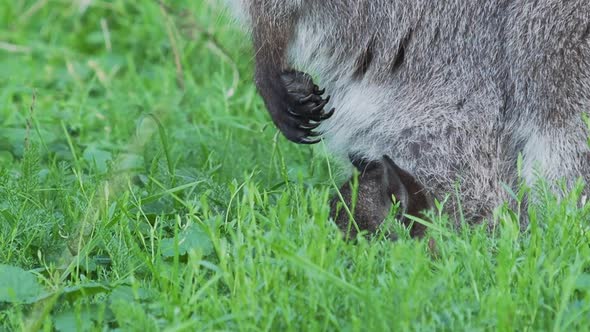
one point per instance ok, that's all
(583, 282)
(127, 294)
(193, 237)
(97, 157)
(74, 321)
(18, 285)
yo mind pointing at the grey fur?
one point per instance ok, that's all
(452, 90)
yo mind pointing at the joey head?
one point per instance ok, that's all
(378, 184)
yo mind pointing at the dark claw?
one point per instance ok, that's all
(309, 98)
(290, 111)
(311, 126)
(327, 115)
(314, 134)
(321, 105)
(317, 91)
(309, 141)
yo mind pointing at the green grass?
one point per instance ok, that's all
(143, 187)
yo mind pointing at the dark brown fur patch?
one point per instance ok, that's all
(364, 61)
(401, 52)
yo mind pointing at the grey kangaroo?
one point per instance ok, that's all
(452, 91)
